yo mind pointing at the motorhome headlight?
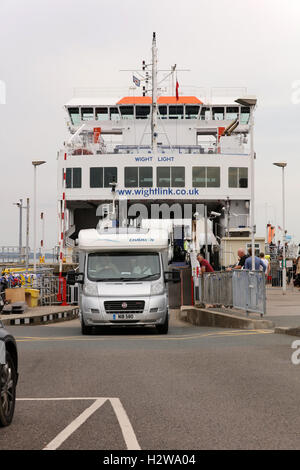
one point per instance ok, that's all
(157, 288)
(91, 289)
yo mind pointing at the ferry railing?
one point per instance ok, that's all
(241, 289)
(238, 221)
(204, 148)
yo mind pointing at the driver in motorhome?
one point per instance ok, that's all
(139, 267)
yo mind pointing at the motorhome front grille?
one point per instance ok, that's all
(124, 306)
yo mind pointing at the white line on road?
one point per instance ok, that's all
(126, 428)
(65, 433)
(122, 417)
(62, 399)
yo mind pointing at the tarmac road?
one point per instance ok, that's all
(195, 388)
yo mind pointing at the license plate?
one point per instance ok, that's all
(123, 316)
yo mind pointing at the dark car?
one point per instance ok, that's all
(8, 376)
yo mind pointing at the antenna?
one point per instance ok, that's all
(146, 78)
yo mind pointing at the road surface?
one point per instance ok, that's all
(195, 388)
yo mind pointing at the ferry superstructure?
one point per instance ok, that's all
(155, 148)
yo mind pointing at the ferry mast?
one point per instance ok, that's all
(154, 96)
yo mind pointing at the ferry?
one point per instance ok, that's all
(158, 148)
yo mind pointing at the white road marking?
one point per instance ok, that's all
(122, 417)
(126, 428)
(62, 399)
(72, 427)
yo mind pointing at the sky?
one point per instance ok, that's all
(50, 47)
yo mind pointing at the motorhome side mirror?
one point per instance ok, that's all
(79, 277)
(71, 278)
(172, 276)
(74, 278)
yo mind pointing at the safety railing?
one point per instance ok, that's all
(249, 291)
(241, 289)
(53, 290)
(201, 148)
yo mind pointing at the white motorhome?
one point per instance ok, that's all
(122, 278)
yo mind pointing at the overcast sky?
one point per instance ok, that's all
(49, 47)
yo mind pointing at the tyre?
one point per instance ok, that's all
(164, 328)
(8, 382)
(85, 330)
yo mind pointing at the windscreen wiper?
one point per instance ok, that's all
(148, 276)
(122, 279)
(118, 279)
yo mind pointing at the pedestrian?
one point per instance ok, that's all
(257, 262)
(264, 259)
(297, 273)
(186, 245)
(186, 248)
(294, 269)
(205, 267)
(241, 261)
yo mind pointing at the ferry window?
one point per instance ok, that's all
(145, 177)
(175, 112)
(218, 113)
(245, 114)
(68, 177)
(163, 177)
(126, 112)
(142, 112)
(110, 175)
(213, 177)
(76, 177)
(87, 114)
(102, 114)
(96, 177)
(232, 177)
(114, 114)
(177, 174)
(163, 111)
(237, 177)
(232, 112)
(73, 177)
(243, 177)
(199, 177)
(74, 115)
(205, 113)
(206, 177)
(131, 177)
(191, 112)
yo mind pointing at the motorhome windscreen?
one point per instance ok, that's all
(123, 266)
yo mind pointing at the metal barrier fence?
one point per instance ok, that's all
(249, 291)
(242, 289)
(43, 279)
(51, 291)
